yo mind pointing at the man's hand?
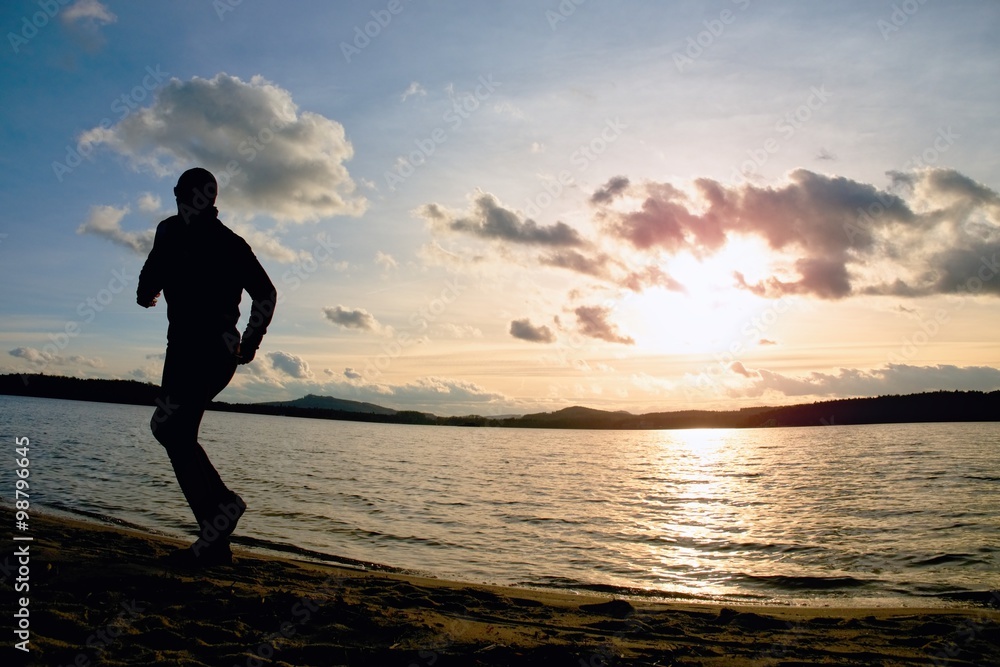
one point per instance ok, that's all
(246, 357)
(151, 303)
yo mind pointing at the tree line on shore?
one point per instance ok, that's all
(936, 406)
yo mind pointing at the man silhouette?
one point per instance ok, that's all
(202, 267)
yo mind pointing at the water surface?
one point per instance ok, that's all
(886, 514)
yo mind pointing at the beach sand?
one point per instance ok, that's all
(99, 595)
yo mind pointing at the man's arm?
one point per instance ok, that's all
(264, 296)
(151, 276)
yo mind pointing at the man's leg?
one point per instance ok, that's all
(190, 380)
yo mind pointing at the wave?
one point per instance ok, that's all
(790, 583)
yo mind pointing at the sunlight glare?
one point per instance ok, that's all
(710, 313)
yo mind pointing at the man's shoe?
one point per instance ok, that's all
(233, 511)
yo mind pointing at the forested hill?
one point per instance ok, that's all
(938, 406)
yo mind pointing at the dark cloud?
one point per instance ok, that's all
(593, 321)
(488, 219)
(738, 368)
(650, 276)
(525, 330)
(607, 192)
(834, 229)
(592, 265)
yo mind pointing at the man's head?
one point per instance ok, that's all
(196, 189)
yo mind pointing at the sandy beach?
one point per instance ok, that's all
(101, 594)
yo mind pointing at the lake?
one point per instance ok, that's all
(847, 515)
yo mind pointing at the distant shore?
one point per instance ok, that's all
(938, 406)
(103, 592)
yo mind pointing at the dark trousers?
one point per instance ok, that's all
(192, 376)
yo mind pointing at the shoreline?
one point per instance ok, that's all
(100, 592)
(938, 406)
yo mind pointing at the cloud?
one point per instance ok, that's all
(607, 192)
(414, 89)
(289, 364)
(597, 265)
(593, 321)
(105, 221)
(427, 394)
(489, 220)
(890, 379)
(525, 330)
(84, 19)
(650, 276)
(148, 202)
(386, 261)
(41, 358)
(457, 330)
(289, 163)
(833, 237)
(355, 318)
(430, 393)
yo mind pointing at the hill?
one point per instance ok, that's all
(938, 406)
(312, 401)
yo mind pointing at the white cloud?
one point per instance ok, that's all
(148, 202)
(414, 89)
(850, 382)
(84, 20)
(105, 221)
(289, 163)
(386, 261)
(457, 330)
(289, 364)
(355, 318)
(41, 358)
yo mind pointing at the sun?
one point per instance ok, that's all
(712, 311)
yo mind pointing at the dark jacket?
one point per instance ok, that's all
(202, 268)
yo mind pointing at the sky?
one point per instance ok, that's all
(502, 208)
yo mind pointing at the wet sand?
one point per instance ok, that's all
(101, 595)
